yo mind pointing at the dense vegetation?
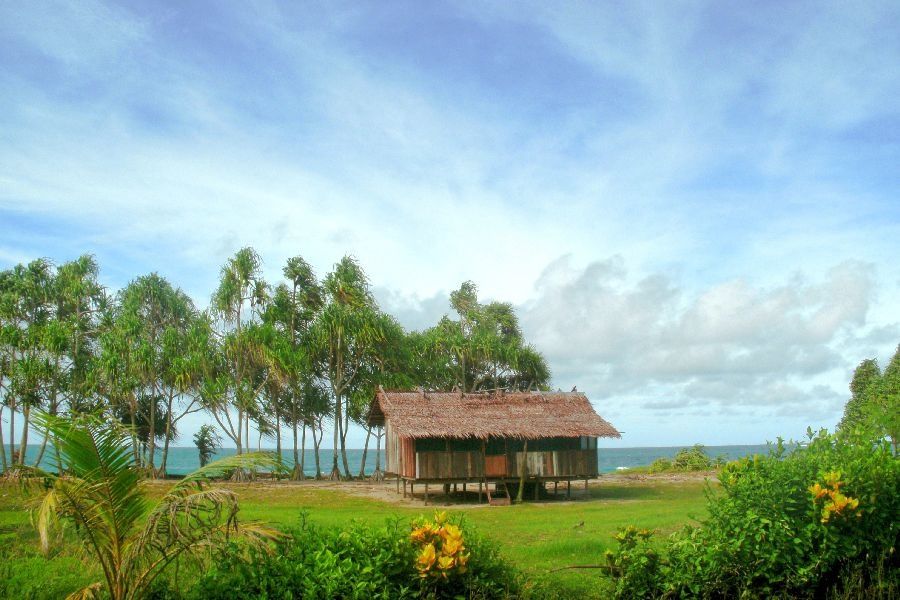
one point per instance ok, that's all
(298, 356)
(813, 521)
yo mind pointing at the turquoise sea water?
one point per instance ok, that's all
(184, 460)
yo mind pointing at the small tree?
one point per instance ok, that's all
(131, 538)
(207, 441)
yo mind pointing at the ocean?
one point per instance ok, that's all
(183, 460)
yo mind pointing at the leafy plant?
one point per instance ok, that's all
(790, 523)
(207, 441)
(132, 539)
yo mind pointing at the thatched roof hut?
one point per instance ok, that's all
(514, 415)
(453, 436)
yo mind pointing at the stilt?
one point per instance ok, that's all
(426, 494)
(454, 488)
(568, 488)
(464, 489)
(555, 484)
(585, 485)
(398, 484)
(404, 488)
(536, 486)
(479, 492)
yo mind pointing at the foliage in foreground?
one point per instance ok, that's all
(798, 524)
(100, 494)
(362, 562)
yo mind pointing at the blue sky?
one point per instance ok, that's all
(693, 205)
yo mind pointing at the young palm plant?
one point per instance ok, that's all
(132, 538)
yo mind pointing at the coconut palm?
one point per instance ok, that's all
(132, 538)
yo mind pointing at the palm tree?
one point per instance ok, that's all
(131, 538)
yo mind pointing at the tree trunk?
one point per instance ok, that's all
(151, 438)
(378, 475)
(522, 472)
(12, 436)
(335, 471)
(343, 431)
(165, 453)
(278, 433)
(40, 456)
(317, 443)
(2, 445)
(301, 464)
(132, 409)
(23, 444)
(297, 473)
(362, 463)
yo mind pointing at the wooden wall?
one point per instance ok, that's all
(469, 465)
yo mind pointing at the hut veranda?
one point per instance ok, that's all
(492, 439)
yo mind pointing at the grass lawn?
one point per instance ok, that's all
(536, 537)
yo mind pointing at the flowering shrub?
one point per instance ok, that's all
(835, 503)
(441, 550)
(798, 523)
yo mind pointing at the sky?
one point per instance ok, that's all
(694, 206)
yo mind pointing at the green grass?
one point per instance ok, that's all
(535, 537)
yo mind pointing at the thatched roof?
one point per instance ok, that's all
(522, 415)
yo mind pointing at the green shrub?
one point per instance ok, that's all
(660, 465)
(790, 523)
(359, 561)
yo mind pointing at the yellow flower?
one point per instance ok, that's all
(426, 558)
(446, 562)
(451, 546)
(451, 532)
(818, 491)
(440, 517)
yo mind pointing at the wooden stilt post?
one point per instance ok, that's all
(464, 489)
(568, 488)
(555, 484)
(426, 494)
(537, 484)
(398, 484)
(404, 488)
(585, 485)
(479, 492)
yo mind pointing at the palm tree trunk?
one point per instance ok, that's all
(346, 465)
(165, 452)
(378, 475)
(2, 446)
(278, 433)
(151, 437)
(317, 443)
(362, 464)
(522, 471)
(23, 444)
(12, 435)
(335, 471)
(302, 465)
(40, 456)
(297, 473)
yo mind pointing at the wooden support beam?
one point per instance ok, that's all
(537, 485)
(404, 488)
(479, 492)
(426, 494)
(568, 488)
(555, 484)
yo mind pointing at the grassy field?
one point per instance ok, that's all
(536, 537)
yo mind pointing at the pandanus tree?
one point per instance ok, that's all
(132, 538)
(483, 349)
(345, 341)
(231, 384)
(159, 318)
(293, 309)
(27, 312)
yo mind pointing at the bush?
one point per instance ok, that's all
(791, 524)
(359, 562)
(687, 459)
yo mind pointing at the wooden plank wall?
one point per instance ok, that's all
(468, 465)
